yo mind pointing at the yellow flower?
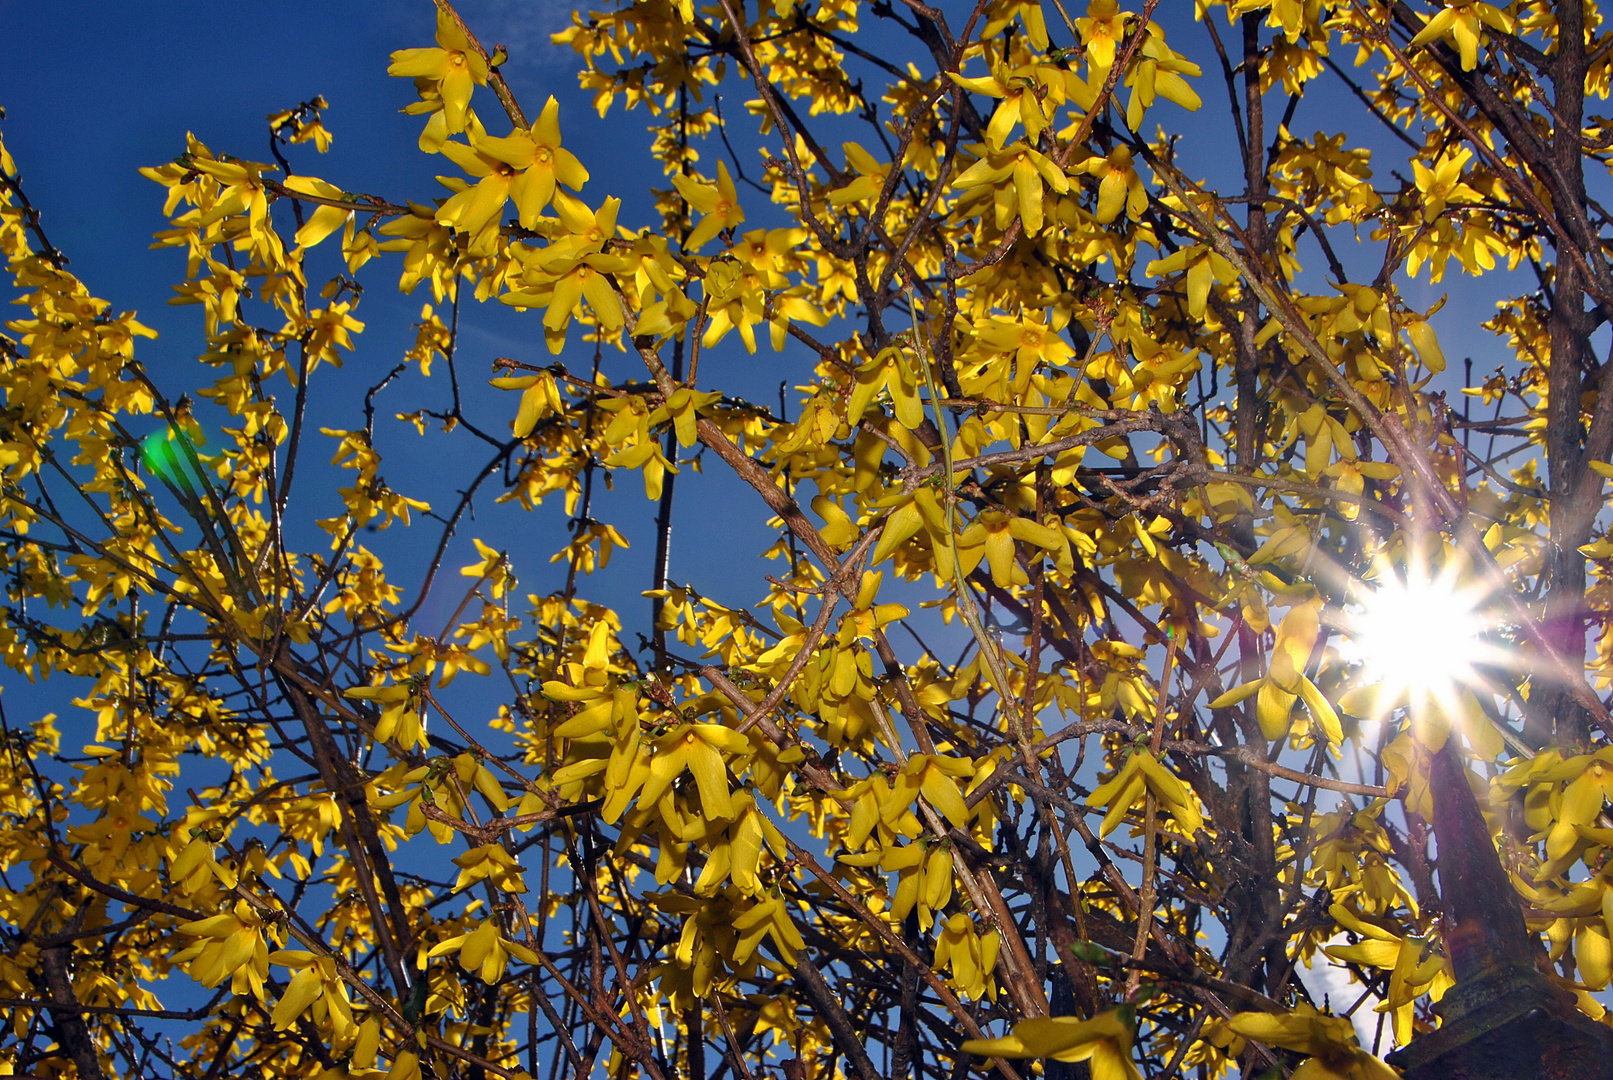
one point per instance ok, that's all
(683, 408)
(866, 616)
(1415, 968)
(734, 298)
(454, 65)
(1030, 14)
(316, 980)
(890, 370)
(325, 219)
(405, 1066)
(1442, 183)
(228, 946)
(1031, 341)
(475, 208)
(869, 182)
(736, 851)
(1582, 798)
(572, 269)
(523, 166)
(699, 749)
(647, 456)
(1104, 1041)
(490, 863)
(1287, 682)
(1157, 73)
(542, 162)
(1459, 21)
(1021, 101)
(540, 396)
(1141, 775)
(768, 918)
(485, 951)
(399, 713)
(935, 777)
(719, 202)
(1118, 186)
(242, 192)
(1027, 170)
(1204, 267)
(970, 956)
(1331, 1041)
(1101, 31)
(795, 305)
(923, 876)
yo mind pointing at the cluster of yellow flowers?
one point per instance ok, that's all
(1063, 409)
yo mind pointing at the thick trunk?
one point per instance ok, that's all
(1553, 716)
(1254, 896)
(72, 1033)
(1483, 924)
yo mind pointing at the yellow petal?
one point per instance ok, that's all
(304, 988)
(1321, 710)
(1273, 708)
(1237, 694)
(942, 792)
(712, 778)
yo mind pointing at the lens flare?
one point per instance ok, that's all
(1423, 638)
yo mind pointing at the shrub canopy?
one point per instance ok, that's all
(1138, 548)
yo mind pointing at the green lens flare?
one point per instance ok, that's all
(165, 457)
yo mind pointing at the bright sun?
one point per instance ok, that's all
(1422, 637)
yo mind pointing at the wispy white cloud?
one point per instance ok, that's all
(524, 27)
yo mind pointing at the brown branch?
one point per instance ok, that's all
(827, 1003)
(1255, 760)
(71, 1031)
(900, 947)
(913, 477)
(107, 1010)
(809, 647)
(495, 81)
(83, 878)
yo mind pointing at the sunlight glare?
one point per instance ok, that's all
(1421, 637)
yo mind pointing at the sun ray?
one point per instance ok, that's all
(1426, 638)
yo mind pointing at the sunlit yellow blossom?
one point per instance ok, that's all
(454, 65)
(539, 161)
(1460, 21)
(719, 203)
